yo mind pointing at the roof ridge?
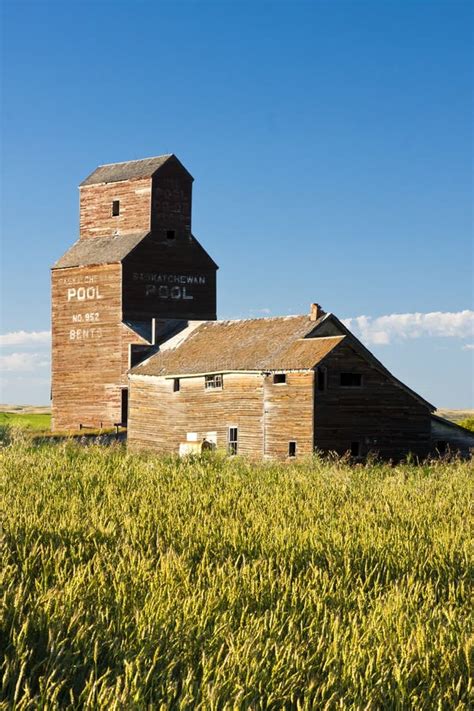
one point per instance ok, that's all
(258, 318)
(135, 160)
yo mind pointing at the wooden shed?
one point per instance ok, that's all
(274, 387)
(134, 275)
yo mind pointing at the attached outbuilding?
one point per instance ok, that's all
(274, 387)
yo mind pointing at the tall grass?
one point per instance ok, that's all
(133, 582)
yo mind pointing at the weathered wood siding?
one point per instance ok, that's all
(95, 207)
(380, 415)
(90, 347)
(169, 278)
(160, 419)
(172, 199)
(289, 414)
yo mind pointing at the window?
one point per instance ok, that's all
(321, 379)
(176, 385)
(137, 353)
(213, 382)
(279, 378)
(292, 449)
(232, 440)
(115, 208)
(351, 380)
(170, 234)
(355, 449)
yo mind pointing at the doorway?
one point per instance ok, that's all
(124, 408)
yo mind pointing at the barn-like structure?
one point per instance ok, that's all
(274, 387)
(135, 342)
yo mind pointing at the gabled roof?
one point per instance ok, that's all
(99, 250)
(332, 321)
(129, 170)
(242, 345)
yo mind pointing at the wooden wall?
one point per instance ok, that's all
(169, 278)
(160, 419)
(95, 208)
(172, 199)
(381, 415)
(89, 347)
(289, 414)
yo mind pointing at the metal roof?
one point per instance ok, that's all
(245, 345)
(129, 170)
(99, 250)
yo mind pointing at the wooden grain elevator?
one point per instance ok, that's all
(135, 276)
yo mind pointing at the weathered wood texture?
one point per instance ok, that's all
(169, 278)
(160, 419)
(380, 415)
(289, 414)
(95, 207)
(86, 353)
(172, 199)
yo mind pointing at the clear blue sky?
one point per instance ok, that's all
(331, 145)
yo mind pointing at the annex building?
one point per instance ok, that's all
(135, 341)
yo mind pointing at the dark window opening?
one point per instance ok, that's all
(442, 446)
(115, 208)
(355, 449)
(124, 407)
(351, 380)
(279, 378)
(170, 234)
(232, 440)
(176, 385)
(138, 353)
(213, 382)
(321, 379)
(292, 449)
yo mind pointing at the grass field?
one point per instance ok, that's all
(133, 582)
(33, 421)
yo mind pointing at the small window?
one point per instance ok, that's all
(176, 385)
(442, 446)
(355, 449)
(232, 438)
(213, 382)
(115, 208)
(170, 234)
(279, 378)
(292, 449)
(351, 380)
(321, 379)
(137, 353)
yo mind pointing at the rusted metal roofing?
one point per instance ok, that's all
(246, 345)
(129, 170)
(99, 250)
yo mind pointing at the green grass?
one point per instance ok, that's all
(134, 582)
(468, 424)
(29, 421)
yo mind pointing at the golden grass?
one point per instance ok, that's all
(134, 582)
